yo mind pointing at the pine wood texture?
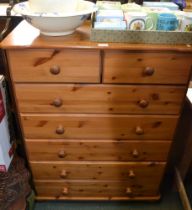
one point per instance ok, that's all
(103, 150)
(52, 65)
(107, 189)
(188, 5)
(92, 170)
(96, 126)
(128, 67)
(98, 119)
(100, 198)
(25, 37)
(80, 98)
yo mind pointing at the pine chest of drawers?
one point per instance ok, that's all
(97, 120)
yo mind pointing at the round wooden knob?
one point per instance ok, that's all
(63, 174)
(129, 191)
(55, 70)
(61, 154)
(131, 174)
(135, 153)
(148, 71)
(65, 191)
(139, 130)
(60, 130)
(57, 102)
(143, 103)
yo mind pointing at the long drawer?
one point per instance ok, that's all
(147, 68)
(95, 190)
(103, 150)
(97, 126)
(55, 98)
(52, 65)
(93, 170)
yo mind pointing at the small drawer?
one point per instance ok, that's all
(80, 98)
(151, 68)
(104, 190)
(99, 126)
(50, 65)
(93, 170)
(94, 150)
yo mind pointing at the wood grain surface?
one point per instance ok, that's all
(91, 189)
(97, 170)
(52, 65)
(80, 98)
(99, 126)
(128, 67)
(94, 150)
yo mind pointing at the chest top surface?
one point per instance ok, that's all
(98, 119)
(26, 36)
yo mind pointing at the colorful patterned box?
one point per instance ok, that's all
(139, 37)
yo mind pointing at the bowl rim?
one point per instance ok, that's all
(23, 9)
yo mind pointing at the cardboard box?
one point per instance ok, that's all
(139, 37)
(6, 147)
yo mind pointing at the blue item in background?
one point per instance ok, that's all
(167, 22)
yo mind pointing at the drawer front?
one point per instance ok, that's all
(152, 68)
(103, 150)
(45, 98)
(135, 172)
(97, 126)
(98, 189)
(46, 65)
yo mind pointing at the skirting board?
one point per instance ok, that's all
(181, 190)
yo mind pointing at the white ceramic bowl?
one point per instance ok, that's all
(56, 23)
(53, 5)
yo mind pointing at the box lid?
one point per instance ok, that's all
(169, 5)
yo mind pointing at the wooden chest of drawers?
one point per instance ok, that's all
(97, 122)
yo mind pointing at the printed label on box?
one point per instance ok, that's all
(6, 147)
(2, 168)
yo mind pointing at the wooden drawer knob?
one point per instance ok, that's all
(57, 102)
(148, 71)
(63, 174)
(129, 191)
(139, 130)
(60, 130)
(61, 154)
(143, 103)
(55, 70)
(65, 191)
(135, 153)
(131, 174)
